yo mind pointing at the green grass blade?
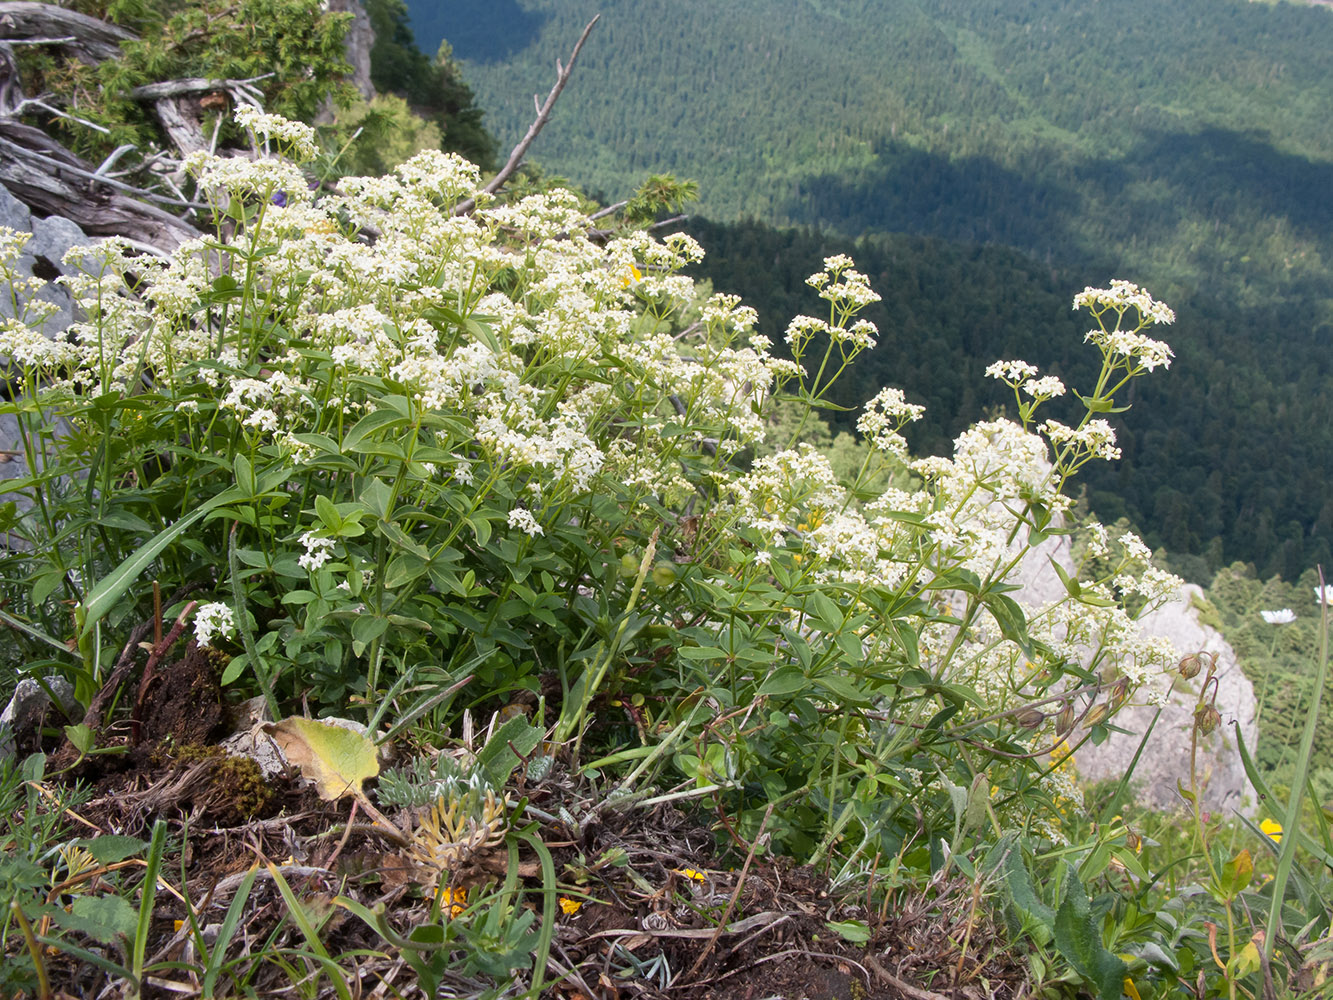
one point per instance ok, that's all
(112, 587)
(217, 957)
(148, 898)
(310, 933)
(548, 913)
(1291, 821)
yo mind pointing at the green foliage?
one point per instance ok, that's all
(296, 41)
(1277, 660)
(434, 89)
(379, 134)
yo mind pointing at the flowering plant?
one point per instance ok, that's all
(406, 448)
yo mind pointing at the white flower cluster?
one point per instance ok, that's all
(885, 416)
(842, 284)
(211, 620)
(1095, 439)
(318, 551)
(522, 519)
(297, 137)
(1120, 298)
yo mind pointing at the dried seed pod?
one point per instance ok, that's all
(1097, 714)
(1065, 720)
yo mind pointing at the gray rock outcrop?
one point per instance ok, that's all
(1166, 757)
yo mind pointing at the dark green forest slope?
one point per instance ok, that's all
(1188, 147)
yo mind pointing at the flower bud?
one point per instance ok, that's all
(1030, 718)
(1207, 718)
(1133, 841)
(1097, 714)
(1189, 666)
(1065, 720)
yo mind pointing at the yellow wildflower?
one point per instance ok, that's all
(570, 906)
(691, 874)
(455, 900)
(1272, 830)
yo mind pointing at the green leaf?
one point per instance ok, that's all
(1080, 942)
(1022, 891)
(327, 512)
(113, 586)
(788, 680)
(853, 931)
(245, 475)
(1009, 616)
(1072, 586)
(501, 754)
(108, 919)
(112, 848)
(377, 420)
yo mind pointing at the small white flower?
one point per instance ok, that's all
(213, 619)
(318, 551)
(521, 517)
(1324, 594)
(1284, 617)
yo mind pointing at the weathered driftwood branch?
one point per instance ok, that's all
(563, 74)
(52, 180)
(89, 39)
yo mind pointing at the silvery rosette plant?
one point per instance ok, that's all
(388, 448)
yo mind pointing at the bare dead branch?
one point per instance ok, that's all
(49, 178)
(563, 74)
(608, 210)
(191, 85)
(92, 39)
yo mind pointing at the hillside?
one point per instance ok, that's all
(1187, 148)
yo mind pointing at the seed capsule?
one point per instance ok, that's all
(1098, 713)
(1189, 667)
(1207, 719)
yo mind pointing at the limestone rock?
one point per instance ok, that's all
(1166, 757)
(29, 707)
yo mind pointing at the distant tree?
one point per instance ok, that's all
(435, 90)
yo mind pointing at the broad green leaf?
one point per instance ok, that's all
(245, 475)
(788, 680)
(376, 421)
(106, 918)
(337, 760)
(1079, 939)
(111, 848)
(854, 931)
(328, 513)
(501, 754)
